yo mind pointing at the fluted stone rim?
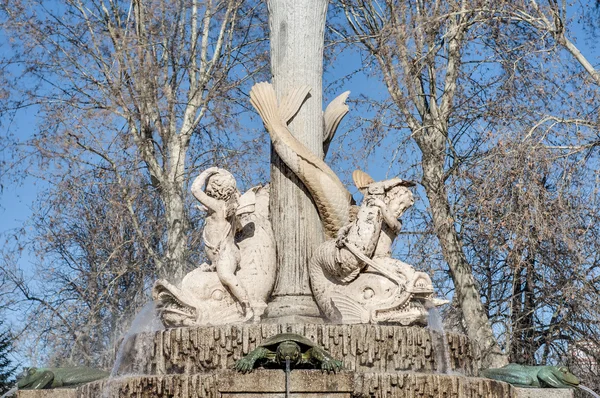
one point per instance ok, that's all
(363, 348)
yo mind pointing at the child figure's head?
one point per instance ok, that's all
(221, 185)
(398, 199)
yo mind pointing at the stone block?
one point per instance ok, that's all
(271, 384)
(53, 393)
(544, 393)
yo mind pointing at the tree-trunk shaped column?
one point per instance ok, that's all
(297, 36)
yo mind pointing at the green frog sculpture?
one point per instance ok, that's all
(534, 376)
(45, 378)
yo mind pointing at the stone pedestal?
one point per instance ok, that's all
(271, 384)
(303, 384)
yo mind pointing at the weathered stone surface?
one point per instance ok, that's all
(172, 386)
(271, 383)
(303, 383)
(408, 385)
(544, 392)
(364, 348)
(55, 393)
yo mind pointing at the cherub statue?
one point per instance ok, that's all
(220, 199)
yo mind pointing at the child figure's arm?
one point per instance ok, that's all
(388, 217)
(211, 204)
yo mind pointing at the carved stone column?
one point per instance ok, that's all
(297, 36)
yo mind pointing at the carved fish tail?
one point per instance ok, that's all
(264, 100)
(330, 194)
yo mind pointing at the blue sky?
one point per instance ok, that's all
(16, 199)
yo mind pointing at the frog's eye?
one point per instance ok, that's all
(563, 369)
(31, 371)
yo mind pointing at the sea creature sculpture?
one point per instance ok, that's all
(202, 299)
(533, 376)
(353, 277)
(290, 348)
(44, 378)
(330, 195)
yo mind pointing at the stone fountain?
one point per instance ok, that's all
(298, 255)
(371, 307)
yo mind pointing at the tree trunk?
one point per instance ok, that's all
(432, 145)
(177, 228)
(297, 36)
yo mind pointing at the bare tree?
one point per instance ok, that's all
(463, 77)
(130, 98)
(91, 271)
(117, 83)
(531, 220)
(550, 18)
(419, 50)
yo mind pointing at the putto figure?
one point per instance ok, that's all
(240, 247)
(220, 198)
(354, 278)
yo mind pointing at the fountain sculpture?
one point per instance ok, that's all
(298, 257)
(373, 307)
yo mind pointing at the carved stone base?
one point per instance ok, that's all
(303, 384)
(271, 383)
(55, 393)
(410, 385)
(363, 348)
(380, 362)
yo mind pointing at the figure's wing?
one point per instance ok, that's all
(362, 180)
(247, 202)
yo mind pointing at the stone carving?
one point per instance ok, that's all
(410, 385)
(353, 277)
(239, 243)
(533, 376)
(270, 383)
(331, 197)
(45, 378)
(286, 349)
(361, 347)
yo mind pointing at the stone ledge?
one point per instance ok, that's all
(428, 385)
(271, 383)
(304, 384)
(544, 393)
(54, 393)
(274, 381)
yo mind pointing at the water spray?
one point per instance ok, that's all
(584, 388)
(287, 377)
(10, 392)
